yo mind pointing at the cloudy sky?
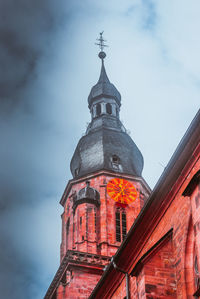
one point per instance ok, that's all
(48, 64)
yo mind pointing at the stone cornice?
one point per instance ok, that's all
(76, 258)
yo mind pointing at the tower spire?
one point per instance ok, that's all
(106, 140)
(104, 88)
(103, 78)
(101, 43)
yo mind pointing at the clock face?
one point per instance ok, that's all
(122, 191)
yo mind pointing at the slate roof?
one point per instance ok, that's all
(104, 88)
(106, 137)
(95, 151)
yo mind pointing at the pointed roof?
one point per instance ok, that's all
(106, 137)
(103, 76)
(104, 88)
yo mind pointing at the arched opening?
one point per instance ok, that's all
(96, 222)
(67, 233)
(120, 224)
(108, 108)
(67, 229)
(98, 109)
(93, 111)
(115, 162)
(77, 171)
(115, 159)
(123, 224)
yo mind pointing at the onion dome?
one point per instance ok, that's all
(103, 88)
(106, 149)
(87, 195)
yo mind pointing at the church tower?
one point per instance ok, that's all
(104, 197)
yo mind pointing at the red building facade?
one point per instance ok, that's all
(161, 253)
(104, 197)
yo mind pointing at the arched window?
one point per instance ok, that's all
(118, 226)
(123, 224)
(115, 159)
(108, 108)
(67, 227)
(67, 232)
(115, 162)
(120, 221)
(77, 171)
(93, 111)
(95, 221)
(98, 109)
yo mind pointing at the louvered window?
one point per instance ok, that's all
(118, 226)
(95, 221)
(120, 220)
(123, 225)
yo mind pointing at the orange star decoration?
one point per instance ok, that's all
(121, 191)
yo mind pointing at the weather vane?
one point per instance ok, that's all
(101, 42)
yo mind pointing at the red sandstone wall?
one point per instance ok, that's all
(83, 237)
(159, 274)
(80, 285)
(92, 229)
(195, 201)
(170, 273)
(157, 278)
(121, 291)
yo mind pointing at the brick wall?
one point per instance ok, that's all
(172, 270)
(159, 274)
(79, 285)
(92, 229)
(82, 234)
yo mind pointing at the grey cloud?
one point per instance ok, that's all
(27, 31)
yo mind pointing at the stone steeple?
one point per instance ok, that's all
(106, 144)
(103, 88)
(95, 219)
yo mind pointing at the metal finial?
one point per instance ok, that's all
(101, 42)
